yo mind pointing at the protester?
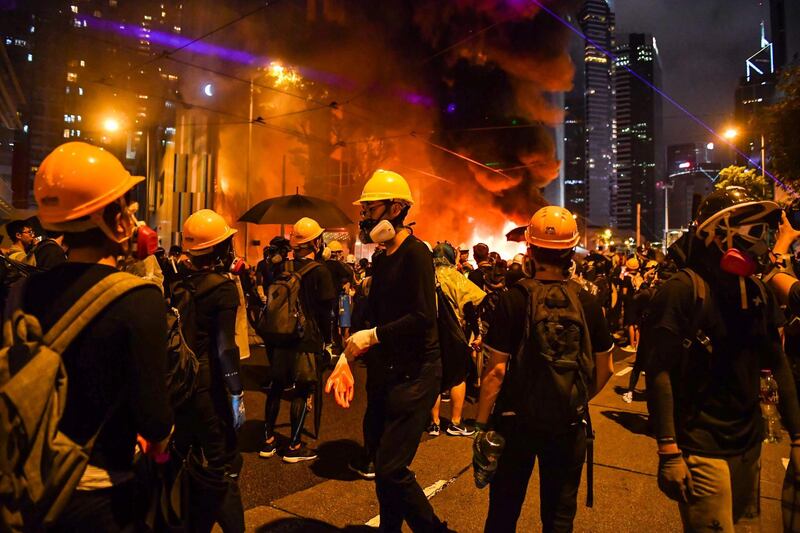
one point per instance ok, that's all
(532, 400)
(464, 266)
(458, 320)
(297, 361)
(478, 276)
(23, 241)
(116, 368)
(49, 253)
(401, 351)
(208, 422)
(714, 326)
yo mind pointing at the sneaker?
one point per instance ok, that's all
(303, 453)
(269, 449)
(627, 397)
(365, 469)
(433, 430)
(629, 348)
(459, 430)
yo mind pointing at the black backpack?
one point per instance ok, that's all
(282, 322)
(182, 363)
(549, 377)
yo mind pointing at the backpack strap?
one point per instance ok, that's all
(308, 267)
(702, 305)
(88, 307)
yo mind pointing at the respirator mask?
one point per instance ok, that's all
(380, 230)
(142, 239)
(744, 246)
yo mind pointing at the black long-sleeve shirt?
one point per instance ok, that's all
(216, 327)
(116, 368)
(402, 305)
(318, 297)
(710, 402)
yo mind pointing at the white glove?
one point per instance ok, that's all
(360, 341)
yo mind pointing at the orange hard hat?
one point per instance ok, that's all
(305, 230)
(335, 246)
(76, 180)
(552, 227)
(632, 264)
(204, 229)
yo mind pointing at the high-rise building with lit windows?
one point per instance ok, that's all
(84, 69)
(594, 184)
(639, 161)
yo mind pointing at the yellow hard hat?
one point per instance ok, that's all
(553, 227)
(335, 246)
(76, 180)
(386, 185)
(204, 229)
(632, 264)
(305, 230)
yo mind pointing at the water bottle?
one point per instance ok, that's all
(769, 407)
(488, 447)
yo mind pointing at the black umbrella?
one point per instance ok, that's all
(290, 209)
(516, 234)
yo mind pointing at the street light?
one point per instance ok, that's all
(730, 133)
(111, 124)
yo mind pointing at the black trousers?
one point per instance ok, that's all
(561, 459)
(205, 424)
(397, 413)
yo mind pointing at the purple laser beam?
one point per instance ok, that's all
(667, 97)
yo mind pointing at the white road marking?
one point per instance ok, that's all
(430, 492)
(626, 370)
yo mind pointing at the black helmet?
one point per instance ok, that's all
(736, 204)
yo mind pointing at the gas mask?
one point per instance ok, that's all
(139, 240)
(382, 230)
(377, 231)
(744, 246)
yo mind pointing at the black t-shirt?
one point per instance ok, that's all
(339, 272)
(318, 297)
(402, 305)
(478, 276)
(118, 360)
(49, 254)
(715, 397)
(507, 323)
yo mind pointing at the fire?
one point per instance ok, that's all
(284, 77)
(497, 240)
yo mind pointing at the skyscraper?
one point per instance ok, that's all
(784, 16)
(756, 91)
(574, 162)
(84, 70)
(638, 121)
(597, 22)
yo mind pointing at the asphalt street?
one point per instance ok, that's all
(325, 496)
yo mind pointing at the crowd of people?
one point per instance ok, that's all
(121, 378)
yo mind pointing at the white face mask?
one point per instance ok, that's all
(382, 232)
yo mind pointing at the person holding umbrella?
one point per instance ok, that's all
(404, 368)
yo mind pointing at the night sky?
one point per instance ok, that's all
(703, 46)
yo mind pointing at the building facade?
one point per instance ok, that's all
(639, 161)
(592, 185)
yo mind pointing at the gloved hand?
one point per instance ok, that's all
(341, 383)
(237, 405)
(360, 341)
(674, 477)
